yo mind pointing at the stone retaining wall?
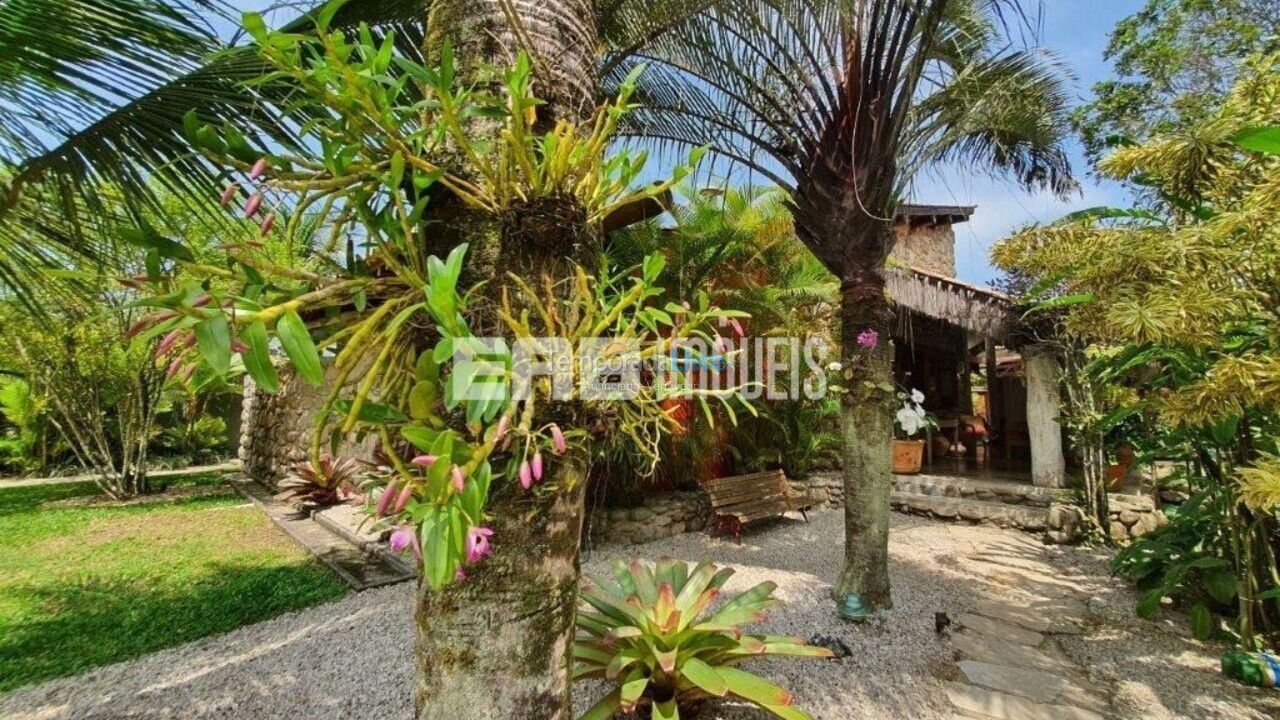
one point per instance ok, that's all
(275, 430)
(1132, 516)
(661, 516)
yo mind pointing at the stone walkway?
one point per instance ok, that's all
(1010, 666)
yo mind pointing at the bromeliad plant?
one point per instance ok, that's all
(393, 138)
(656, 630)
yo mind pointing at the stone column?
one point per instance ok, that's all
(1044, 405)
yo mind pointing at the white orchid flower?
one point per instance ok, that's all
(917, 397)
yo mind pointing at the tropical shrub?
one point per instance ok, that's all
(657, 631)
(320, 485)
(1174, 308)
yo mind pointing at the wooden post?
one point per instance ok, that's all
(993, 423)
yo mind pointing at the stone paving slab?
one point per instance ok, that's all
(983, 703)
(1060, 617)
(1036, 685)
(1005, 631)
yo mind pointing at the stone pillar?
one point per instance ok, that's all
(1044, 405)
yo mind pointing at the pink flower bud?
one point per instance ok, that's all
(258, 169)
(737, 327)
(150, 321)
(201, 301)
(238, 345)
(424, 460)
(526, 475)
(502, 428)
(267, 223)
(537, 466)
(384, 501)
(173, 367)
(459, 482)
(252, 205)
(190, 341)
(227, 194)
(459, 575)
(167, 343)
(557, 439)
(403, 500)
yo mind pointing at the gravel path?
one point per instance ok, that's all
(349, 659)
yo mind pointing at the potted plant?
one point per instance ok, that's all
(908, 452)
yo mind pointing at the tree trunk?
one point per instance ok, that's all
(866, 427)
(499, 644)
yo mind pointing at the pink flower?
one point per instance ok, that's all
(537, 465)
(478, 543)
(459, 481)
(737, 327)
(720, 347)
(402, 538)
(460, 574)
(267, 223)
(424, 460)
(557, 439)
(251, 206)
(174, 367)
(227, 194)
(502, 428)
(526, 475)
(869, 339)
(258, 169)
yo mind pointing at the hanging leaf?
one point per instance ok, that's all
(297, 343)
(257, 359)
(1260, 139)
(213, 340)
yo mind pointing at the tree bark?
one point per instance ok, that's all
(866, 426)
(499, 644)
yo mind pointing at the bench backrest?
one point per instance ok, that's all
(751, 489)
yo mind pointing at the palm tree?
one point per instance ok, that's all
(843, 103)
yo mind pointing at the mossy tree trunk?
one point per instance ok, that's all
(866, 426)
(499, 644)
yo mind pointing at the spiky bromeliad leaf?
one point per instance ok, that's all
(674, 650)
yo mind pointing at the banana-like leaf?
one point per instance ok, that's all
(666, 711)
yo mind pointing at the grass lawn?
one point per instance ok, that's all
(82, 586)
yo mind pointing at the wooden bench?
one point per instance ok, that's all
(742, 499)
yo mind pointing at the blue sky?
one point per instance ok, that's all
(1075, 30)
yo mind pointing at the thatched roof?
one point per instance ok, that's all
(976, 309)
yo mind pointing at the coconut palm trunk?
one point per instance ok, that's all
(499, 645)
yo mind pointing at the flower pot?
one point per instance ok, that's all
(908, 456)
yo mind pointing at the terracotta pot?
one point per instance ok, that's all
(908, 456)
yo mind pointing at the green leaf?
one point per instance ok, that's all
(1221, 584)
(145, 236)
(257, 359)
(1260, 139)
(374, 413)
(324, 16)
(213, 339)
(255, 26)
(633, 686)
(1201, 621)
(761, 692)
(297, 343)
(704, 676)
(666, 710)
(422, 438)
